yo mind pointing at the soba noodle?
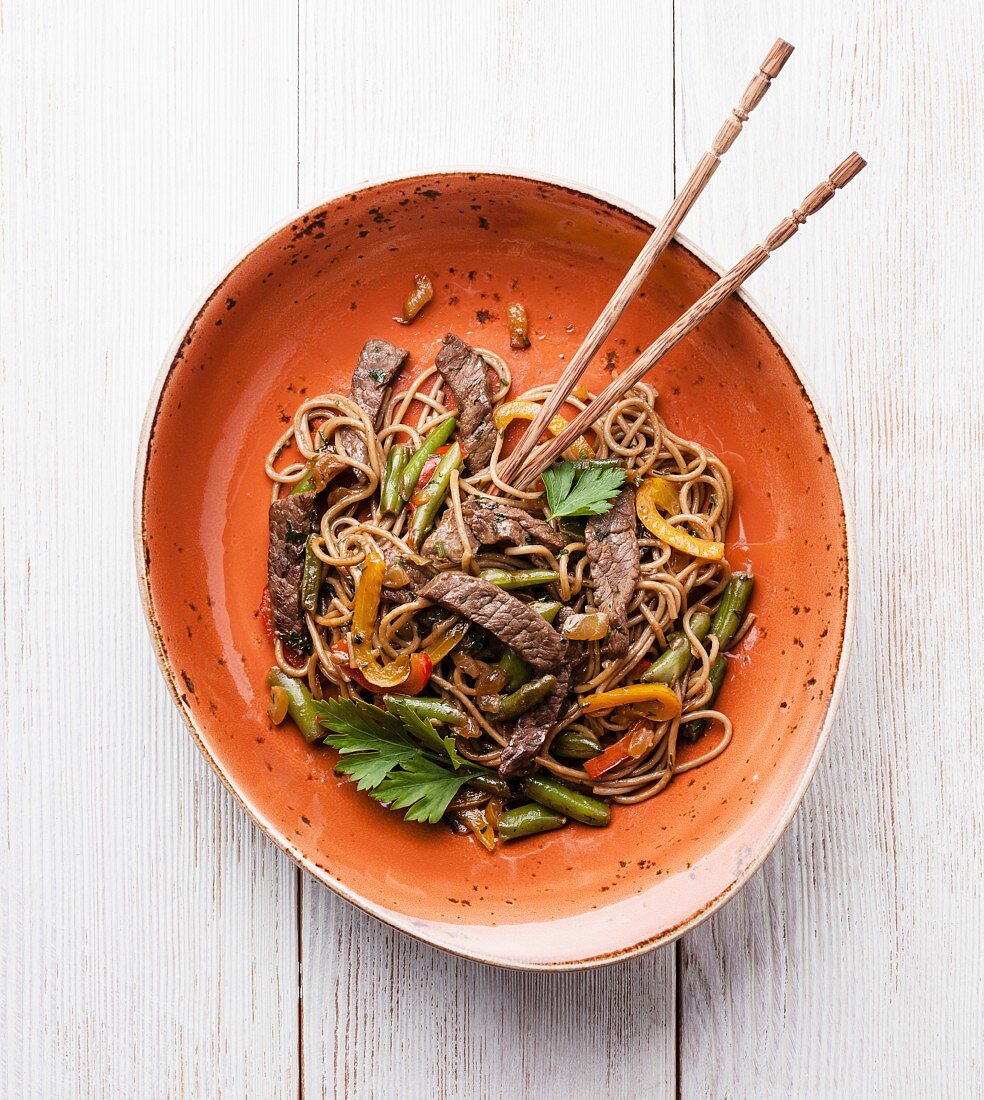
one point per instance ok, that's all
(672, 587)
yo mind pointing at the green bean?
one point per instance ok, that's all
(510, 579)
(558, 796)
(575, 745)
(306, 484)
(428, 707)
(415, 464)
(527, 820)
(300, 704)
(546, 609)
(391, 497)
(492, 783)
(731, 609)
(517, 668)
(695, 729)
(594, 463)
(526, 697)
(674, 661)
(312, 574)
(433, 494)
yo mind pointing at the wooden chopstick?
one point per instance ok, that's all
(706, 304)
(662, 235)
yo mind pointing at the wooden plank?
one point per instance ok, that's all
(386, 1016)
(852, 965)
(149, 932)
(390, 87)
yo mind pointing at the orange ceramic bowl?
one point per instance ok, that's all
(288, 320)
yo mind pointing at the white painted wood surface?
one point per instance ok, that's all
(151, 936)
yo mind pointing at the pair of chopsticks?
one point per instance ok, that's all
(520, 469)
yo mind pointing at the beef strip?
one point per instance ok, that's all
(489, 522)
(291, 521)
(379, 363)
(532, 729)
(613, 555)
(444, 542)
(501, 614)
(465, 374)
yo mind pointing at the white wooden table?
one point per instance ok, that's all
(152, 937)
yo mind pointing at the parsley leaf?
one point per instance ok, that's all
(374, 741)
(390, 753)
(425, 732)
(587, 492)
(423, 788)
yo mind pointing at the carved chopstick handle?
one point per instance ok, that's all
(706, 304)
(777, 56)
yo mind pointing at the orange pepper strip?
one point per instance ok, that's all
(635, 744)
(661, 701)
(421, 667)
(505, 414)
(367, 593)
(650, 497)
(611, 758)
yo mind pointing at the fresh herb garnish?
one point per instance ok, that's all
(424, 732)
(423, 788)
(585, 492)
(377, 375)
(395, 755)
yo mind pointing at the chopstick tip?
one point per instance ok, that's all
(776, 58)
(847, 169)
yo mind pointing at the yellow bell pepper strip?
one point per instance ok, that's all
(665, 495)
(660, 701)
(478, 824)
(652, 496)
(505, 414)
(364, 610)
(438, 650)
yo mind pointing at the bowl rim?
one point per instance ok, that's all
(401, 922)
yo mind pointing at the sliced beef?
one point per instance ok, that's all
(444, 542)
(291, 521)
(613, 555)
(465, 374)
(489, 522)
(501, 614)
(533, 728)
(379, 363)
